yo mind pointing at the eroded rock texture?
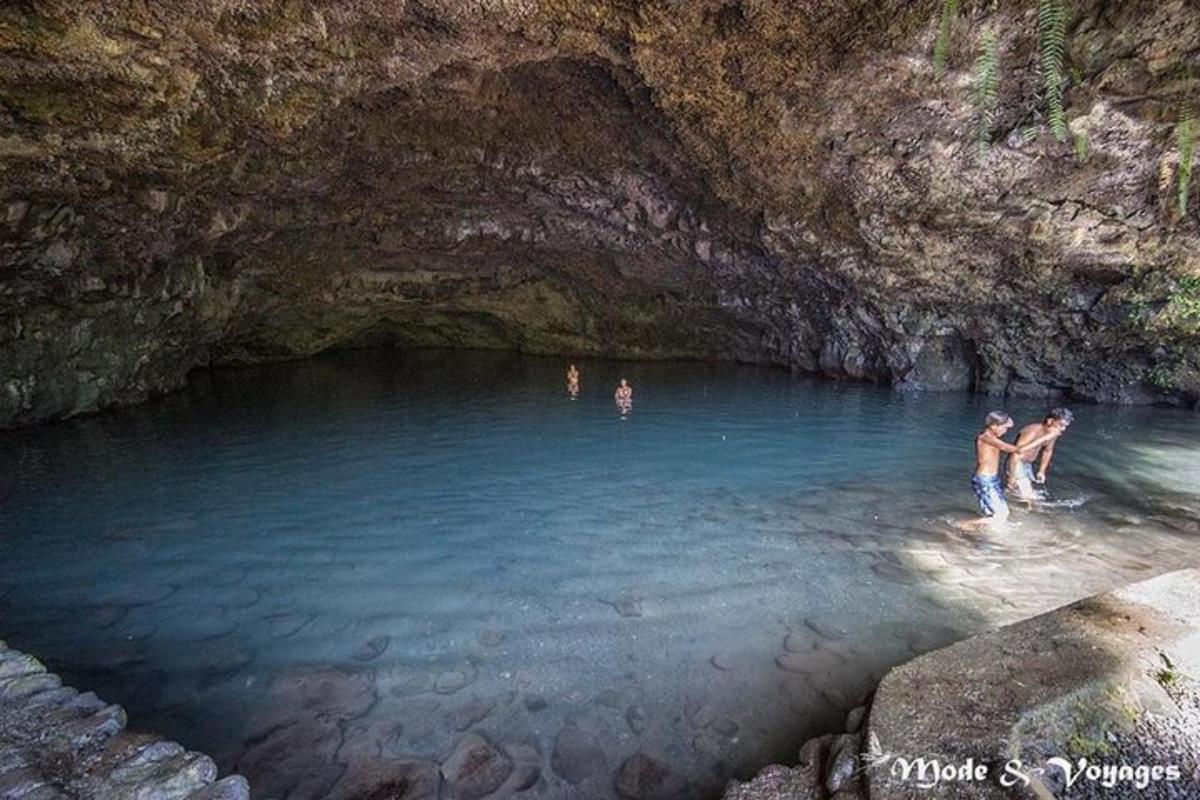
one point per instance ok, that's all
(213, 181)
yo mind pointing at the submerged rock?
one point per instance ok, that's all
(643, 777)
(294, 757)
(326, 691)
(455, 680)
(577, 755)
(491, 638)
(372, 648)
(843, 761)
(470, 713)
(476, 768)
(389, 780)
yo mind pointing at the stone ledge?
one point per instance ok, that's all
(1111, 679)
(59, 744)
(1114, 679)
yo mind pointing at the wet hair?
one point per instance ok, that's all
(996, 418)
(1063, 414)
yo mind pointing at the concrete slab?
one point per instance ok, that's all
(1096, 699)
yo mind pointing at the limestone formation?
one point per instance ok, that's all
(205, 182)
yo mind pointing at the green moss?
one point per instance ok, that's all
(1168, 675)
(1081, 147)
(341, 46)
(202, 139)
(46, 104)
(1093, 718)
(294, 110)
(1081, 745)
(263, 21)
(1176, 375)
(1185, 300)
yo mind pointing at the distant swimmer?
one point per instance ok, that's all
(1021, 477)
(624, 396)
(985, 481)
(572, 381)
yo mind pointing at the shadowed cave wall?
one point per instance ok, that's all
(781, 182)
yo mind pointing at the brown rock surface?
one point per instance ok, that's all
(56, 743)
(205, 182)
(1110, 679)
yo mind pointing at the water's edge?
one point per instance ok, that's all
(122, 402)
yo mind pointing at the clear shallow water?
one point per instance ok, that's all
(308, 568)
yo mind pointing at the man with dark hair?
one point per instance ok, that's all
(1021, 477)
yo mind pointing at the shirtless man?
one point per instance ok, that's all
(572, 380)
(624, 396)
(1021, 477)
(986, 480)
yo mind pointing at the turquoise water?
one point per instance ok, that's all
(309, 568)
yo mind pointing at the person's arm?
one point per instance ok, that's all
(999, 443)
(1044, 462)
(1039, 441)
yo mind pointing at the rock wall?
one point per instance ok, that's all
(215, 181)
(58, 744)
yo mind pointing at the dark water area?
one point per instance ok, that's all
(307, 568)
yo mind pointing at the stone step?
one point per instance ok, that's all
(59, 744)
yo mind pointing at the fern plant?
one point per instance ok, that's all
(987, 86)
(941, 45)
(1185, 139)
(1052, 45)
(1081, 147)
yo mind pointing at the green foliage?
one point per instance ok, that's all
(1185, 300)
(1168, 675)
(1185, 139)
(1081, 147)
(987, 85)
(1052, 46)
(1162, 378)
(1175, 376)
(941, 45)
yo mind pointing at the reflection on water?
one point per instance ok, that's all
(307, 568)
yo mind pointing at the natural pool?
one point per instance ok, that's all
(307, 569)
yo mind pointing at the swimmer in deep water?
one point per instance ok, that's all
(985, 481)
(1021, 477)
(572, 381)
(624, 396)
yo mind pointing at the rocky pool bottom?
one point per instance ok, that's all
(316, 571)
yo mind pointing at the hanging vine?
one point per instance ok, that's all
(1185, 141)
(1052, 46)
(987, 87)
(941, 45)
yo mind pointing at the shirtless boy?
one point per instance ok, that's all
(986, 480)
(572, 380)
(1021, 477)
